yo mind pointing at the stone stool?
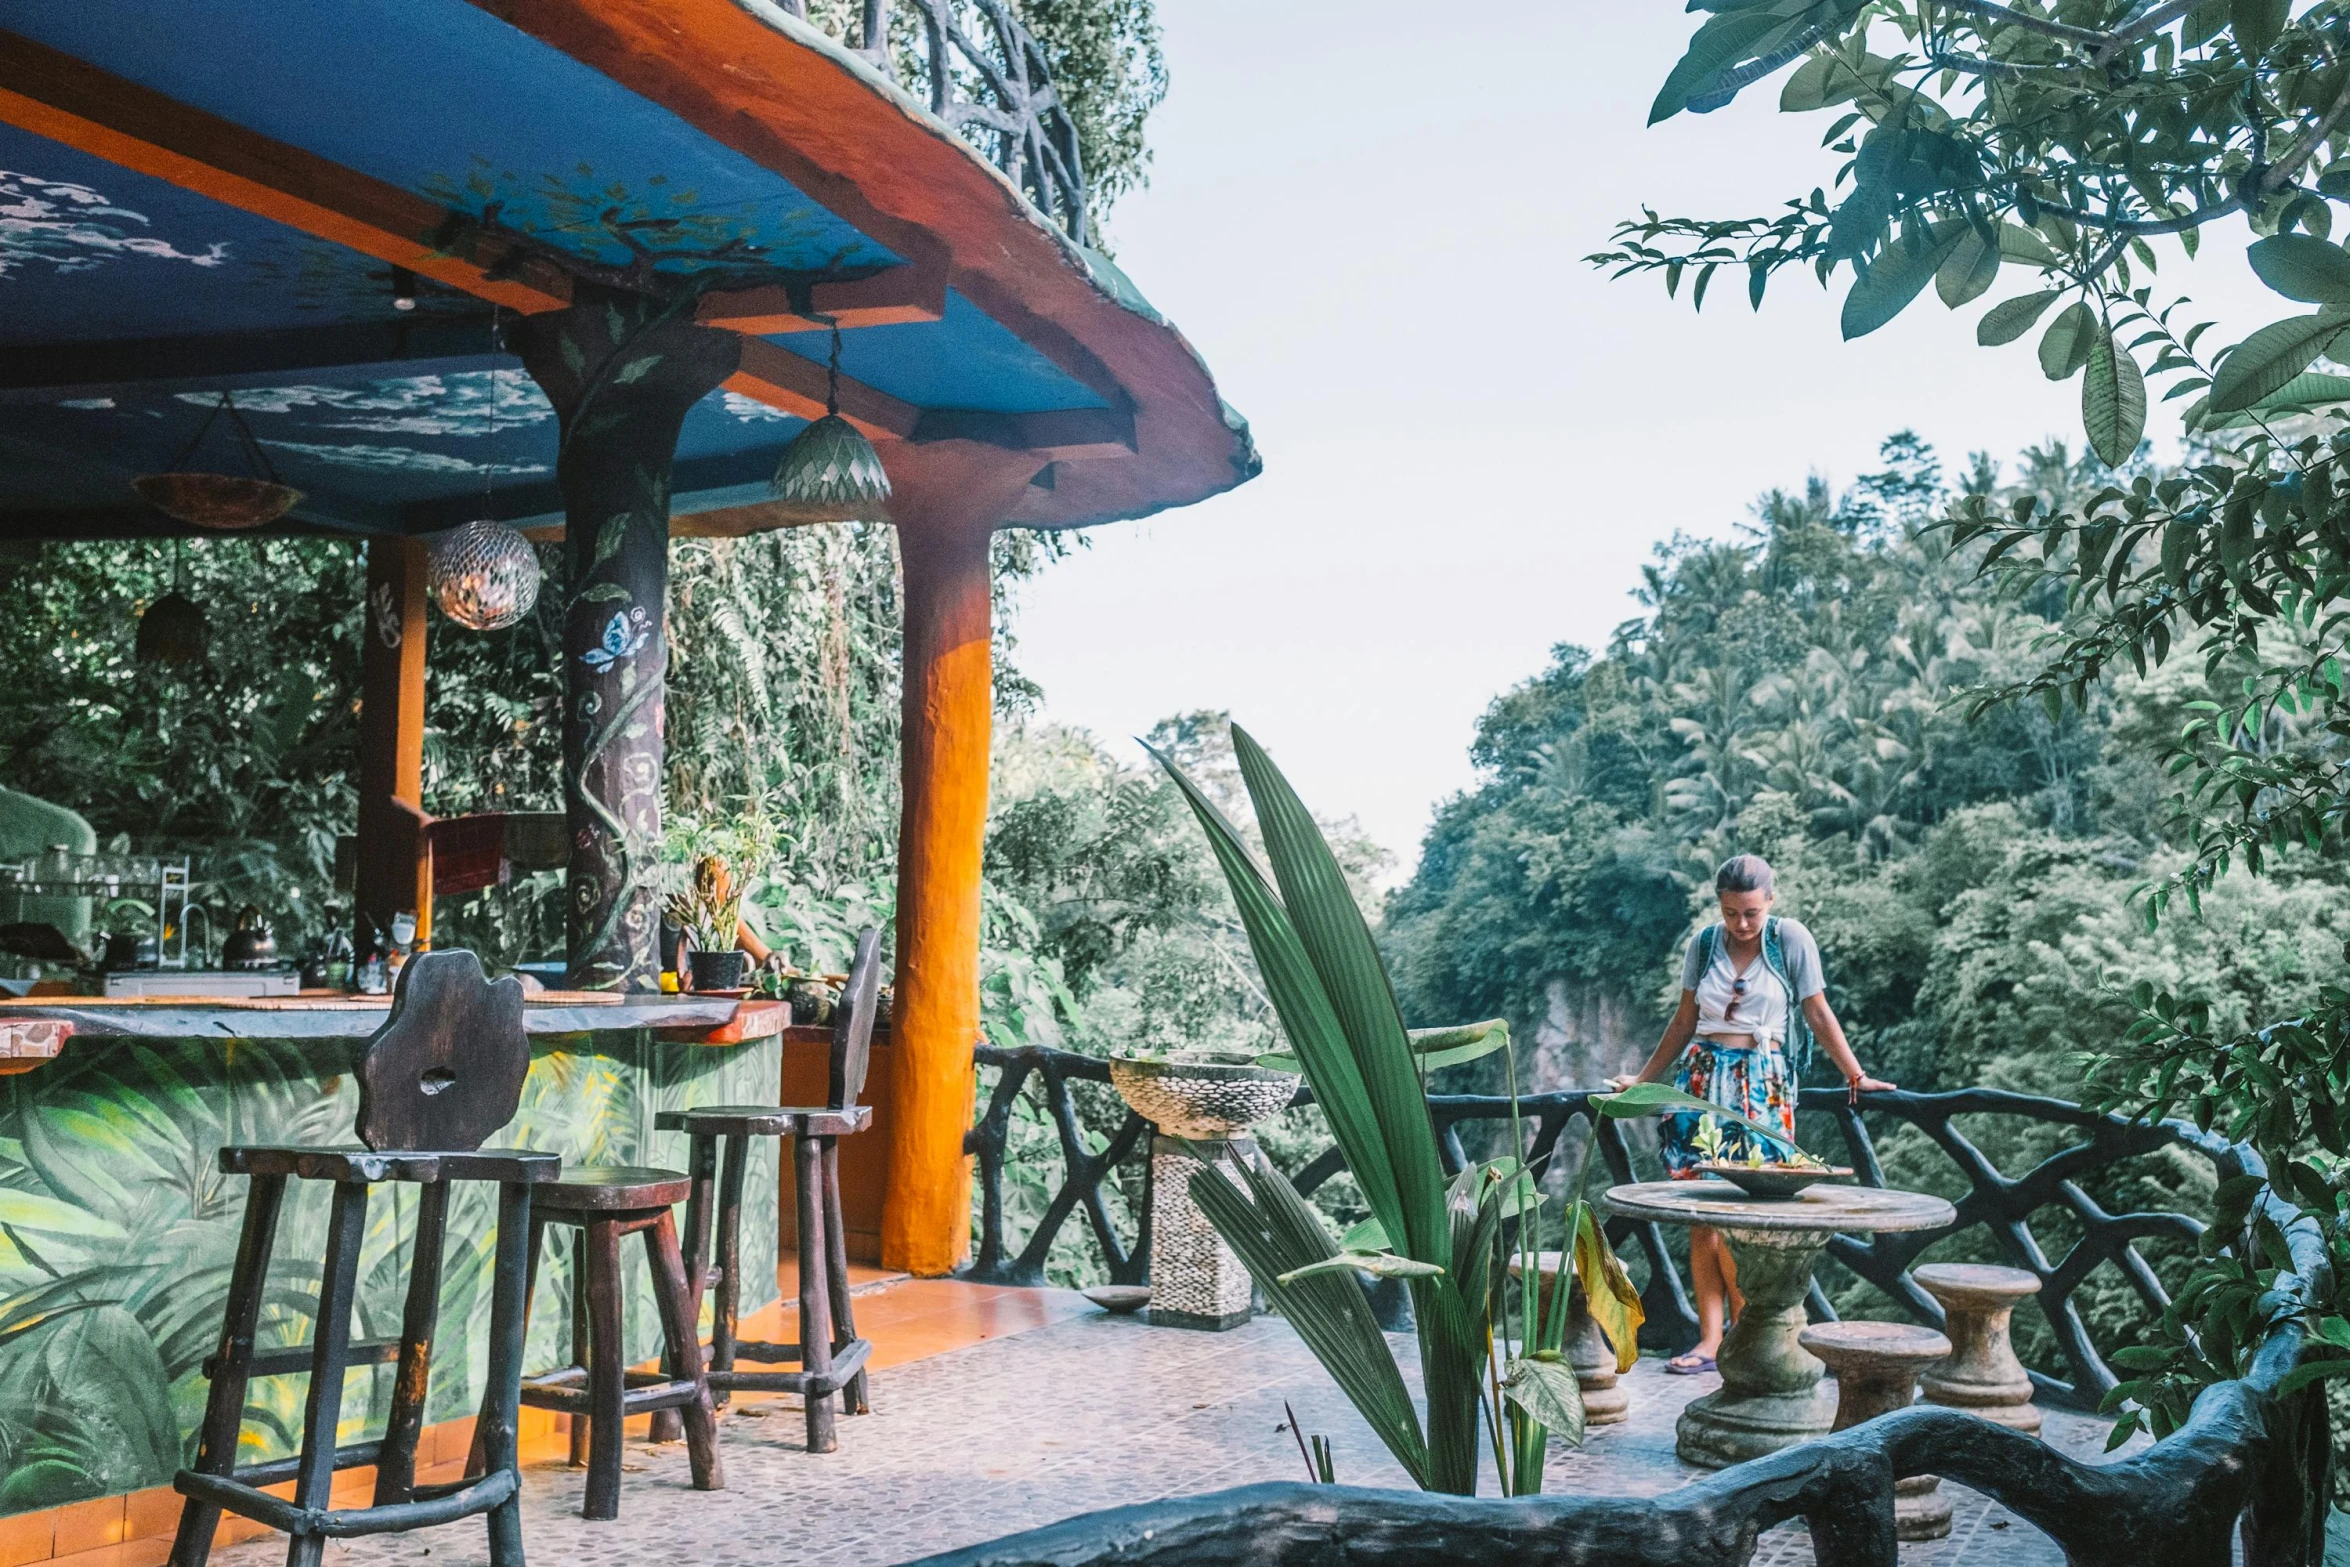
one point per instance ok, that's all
(1982, 1376)
(1604, 1403)
(1876, 1366)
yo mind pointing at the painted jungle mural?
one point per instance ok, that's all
(117, 1230)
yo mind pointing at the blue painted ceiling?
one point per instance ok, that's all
(127, 305)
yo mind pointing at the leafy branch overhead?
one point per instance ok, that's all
(2053, 140)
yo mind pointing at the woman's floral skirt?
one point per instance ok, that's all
(1751, 1080)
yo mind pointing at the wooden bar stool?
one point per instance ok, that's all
(830, 1355)
(597, 1389)
(443, 1073)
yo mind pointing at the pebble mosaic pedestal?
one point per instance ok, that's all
(1196, 1280)
(1770, 1395)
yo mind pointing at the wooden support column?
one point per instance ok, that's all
(948, 499)
(621, 369)
(393, 871)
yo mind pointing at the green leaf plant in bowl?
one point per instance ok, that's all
(1755, 1176)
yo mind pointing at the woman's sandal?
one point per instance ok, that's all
(1689, 1365)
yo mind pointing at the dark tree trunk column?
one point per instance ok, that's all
(621, 376)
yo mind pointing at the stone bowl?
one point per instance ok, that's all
(1768, 1181)
(1201, 1097)
(1120, 1299)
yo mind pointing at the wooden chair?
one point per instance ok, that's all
(597, 1389)
(829, 1353)
(443, 1073)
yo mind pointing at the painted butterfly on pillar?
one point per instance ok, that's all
(624, 637)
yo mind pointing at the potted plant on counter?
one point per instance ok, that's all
(709, 910)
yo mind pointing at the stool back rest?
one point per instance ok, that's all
(445, 1071)
(852, 1022)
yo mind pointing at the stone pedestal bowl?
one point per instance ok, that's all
(1200, 1097)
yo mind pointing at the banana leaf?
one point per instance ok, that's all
(1280, 1240)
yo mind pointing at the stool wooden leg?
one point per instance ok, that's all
(676, 1301)
(815, 1297)
(582, 1337)
(702, 1168)
(224, 1406)
(836, 1253)
(395, 1469)
(728, 1310)
(322, 1411)
(499, 1428)
(607, 1369)
(478, 1457)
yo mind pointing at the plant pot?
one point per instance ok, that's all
(719, 970)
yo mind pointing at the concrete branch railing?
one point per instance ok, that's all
(2247, 1464)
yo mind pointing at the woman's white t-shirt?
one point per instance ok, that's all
(1759, 1010)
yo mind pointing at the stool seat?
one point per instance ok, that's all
(766, 1121)
(425, 1167)
(1975, 1283)
(613, 1188)
(1894, 1346)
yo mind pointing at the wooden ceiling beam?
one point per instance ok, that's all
(68, 100)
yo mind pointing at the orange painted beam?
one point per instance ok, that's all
(947, 501)
(68, 100)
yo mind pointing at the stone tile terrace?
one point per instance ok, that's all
(1001, 1410)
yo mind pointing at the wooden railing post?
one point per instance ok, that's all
(949, 497)
(393, 872)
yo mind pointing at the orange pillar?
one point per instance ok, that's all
(948, 499)
(393, 872)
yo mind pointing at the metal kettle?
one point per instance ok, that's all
(250, 945)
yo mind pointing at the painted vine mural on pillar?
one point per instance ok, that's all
(622, 369)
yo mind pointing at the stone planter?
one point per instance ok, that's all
(1201, 1109)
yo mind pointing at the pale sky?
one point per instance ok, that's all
(1370, 218)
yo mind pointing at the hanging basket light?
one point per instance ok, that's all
(830, 472)
(225, 502)
(484, 575)
(172, 629)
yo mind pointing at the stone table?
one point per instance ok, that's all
(1770, 1393)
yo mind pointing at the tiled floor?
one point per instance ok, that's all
(1001, 1410)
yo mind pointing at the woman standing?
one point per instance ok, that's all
(1752, 1000)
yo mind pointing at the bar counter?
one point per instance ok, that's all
(323, 1014)
(117, 1227)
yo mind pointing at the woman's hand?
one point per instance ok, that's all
(1865, 1084)
(1623, 1080)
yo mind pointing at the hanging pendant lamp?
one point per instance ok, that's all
(830, 472)
(484, 575)
(227, 502)
(172, 629)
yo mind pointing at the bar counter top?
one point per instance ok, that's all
(707, 1020)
